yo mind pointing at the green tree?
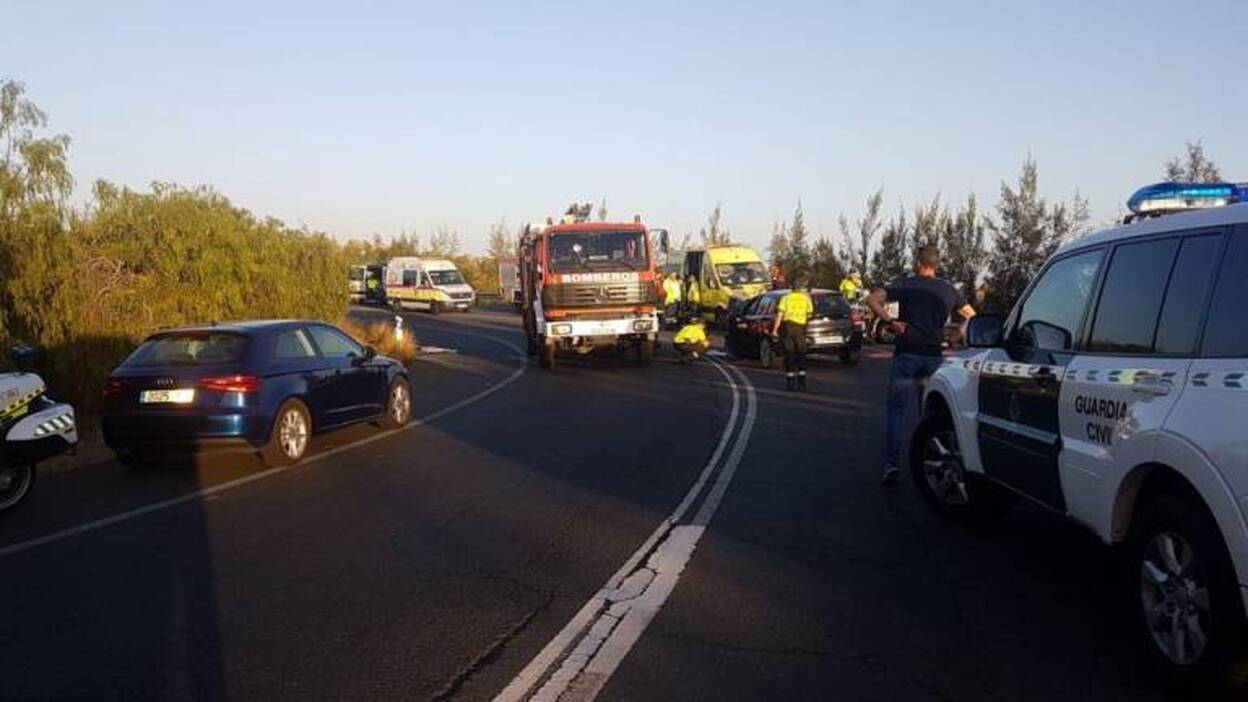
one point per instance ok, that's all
(780, 248)
(963, 253)
(926, 227)
(799, 246)
(444, 242)
(826, 267)
(1193, 166)
(858, 242)
(714, 234)
(1029, 229)
(892, 259)
(501, 243)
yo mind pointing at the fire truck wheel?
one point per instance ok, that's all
(435, 307)
(547, 358)
(645, 351)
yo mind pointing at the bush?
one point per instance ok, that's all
(380, 336)
(88, 288)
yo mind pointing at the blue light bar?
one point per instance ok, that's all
(1164, 198)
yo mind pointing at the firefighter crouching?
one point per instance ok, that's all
(793, 313)
(691, 341)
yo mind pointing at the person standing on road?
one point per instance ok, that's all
(792, 314)
(851, 286)
(671, 297)
(925, 303)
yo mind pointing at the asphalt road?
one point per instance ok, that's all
(439, 561)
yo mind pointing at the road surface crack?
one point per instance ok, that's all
(491, 652)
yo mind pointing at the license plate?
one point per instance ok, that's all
(599, 330)
(182, 396)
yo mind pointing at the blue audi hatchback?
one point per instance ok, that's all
(263, 385)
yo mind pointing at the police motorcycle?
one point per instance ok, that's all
(33, 428)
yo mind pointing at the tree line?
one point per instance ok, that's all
(990, 255)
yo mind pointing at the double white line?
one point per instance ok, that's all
(577, 663)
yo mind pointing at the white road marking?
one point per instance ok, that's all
(211, 492)
(581, 658)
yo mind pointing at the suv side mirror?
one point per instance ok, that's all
(1042, 335)
(985, 331)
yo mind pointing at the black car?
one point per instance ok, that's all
(265, 385)
(833, 328)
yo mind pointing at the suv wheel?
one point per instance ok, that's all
(1184, 589)
(943, 481)
(292, 429)
(398, 405)
(15, 483)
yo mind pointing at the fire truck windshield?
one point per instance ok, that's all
(595, 251)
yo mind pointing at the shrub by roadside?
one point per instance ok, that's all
(380, 336)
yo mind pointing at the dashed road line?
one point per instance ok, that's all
(581, 658)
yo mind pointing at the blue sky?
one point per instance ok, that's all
(361, 118)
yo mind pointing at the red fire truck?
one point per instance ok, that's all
(587, 285)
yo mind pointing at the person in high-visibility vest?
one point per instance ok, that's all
(851, 286)
(671, 296)
(691, 341)
(792, 315)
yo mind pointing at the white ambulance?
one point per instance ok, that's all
(1116, 394)
(431, 284)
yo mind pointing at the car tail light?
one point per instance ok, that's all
(112, 388)
(231, 383)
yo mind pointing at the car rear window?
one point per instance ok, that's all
(830, 306)
(189, 349)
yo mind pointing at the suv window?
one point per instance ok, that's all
(334, 344)
(1225, 332)
(766, 306)
(293, 345)
(1185, 297)
(1051, 314)
(1135, 282)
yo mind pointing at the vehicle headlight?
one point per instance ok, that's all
(560, 329)
(642, 325)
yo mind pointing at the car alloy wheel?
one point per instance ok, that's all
(1175, 594)
(293, 434)
(943, 470)
(400, 404)
(767, 354)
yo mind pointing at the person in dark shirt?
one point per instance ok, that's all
(925, 303)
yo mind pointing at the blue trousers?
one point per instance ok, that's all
(905, 378)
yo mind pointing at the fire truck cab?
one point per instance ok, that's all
(587, 285)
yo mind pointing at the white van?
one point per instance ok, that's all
(431, 284)
(1115, 395)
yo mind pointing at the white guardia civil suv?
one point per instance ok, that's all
(1116, 394)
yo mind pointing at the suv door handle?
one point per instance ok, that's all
(1149, 385)
(1046, 378)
